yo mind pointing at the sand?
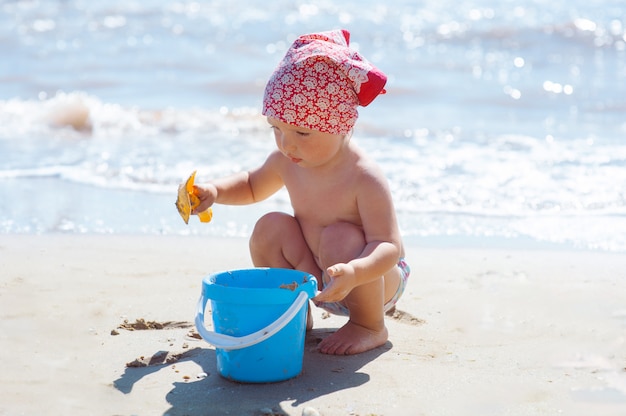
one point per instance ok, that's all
(102, 325)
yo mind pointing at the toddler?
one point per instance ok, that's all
(343, 229)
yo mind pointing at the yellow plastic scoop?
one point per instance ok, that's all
(188, 200)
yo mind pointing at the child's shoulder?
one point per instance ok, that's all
(366, 163)
(275, 158)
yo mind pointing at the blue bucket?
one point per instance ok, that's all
(259, 319)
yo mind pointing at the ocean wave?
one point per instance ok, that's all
(77, 114)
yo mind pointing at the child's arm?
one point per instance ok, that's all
(383, 242)
(242, 188)
(374, 262)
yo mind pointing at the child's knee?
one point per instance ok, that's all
(341, 241)
(268, 227)
(269, 221)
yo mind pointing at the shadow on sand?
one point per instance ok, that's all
(321, 374)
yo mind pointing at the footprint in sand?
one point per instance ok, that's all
(404, 317)
(142, 324)
(162, 358)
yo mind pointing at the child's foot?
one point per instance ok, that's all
(352, 339)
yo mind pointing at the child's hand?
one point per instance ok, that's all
(206, 194)
(342, 281)
(187, 201)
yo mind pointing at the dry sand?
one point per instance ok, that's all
(479, 332)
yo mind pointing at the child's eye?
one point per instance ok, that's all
(303, 133)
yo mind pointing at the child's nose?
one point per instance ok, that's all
(287, 143)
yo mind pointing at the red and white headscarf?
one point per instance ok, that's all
(320, 82)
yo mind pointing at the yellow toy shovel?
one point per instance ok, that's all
(187, 200)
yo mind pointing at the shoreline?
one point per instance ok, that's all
(84, 209)
(481, 331)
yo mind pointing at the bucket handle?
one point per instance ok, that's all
(228, 342)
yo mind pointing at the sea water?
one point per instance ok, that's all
(504, 121)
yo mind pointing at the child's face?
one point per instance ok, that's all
(305, 147)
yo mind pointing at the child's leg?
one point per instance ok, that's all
(277, 241)
(366, 329)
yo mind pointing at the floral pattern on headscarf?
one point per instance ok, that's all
(320, 83)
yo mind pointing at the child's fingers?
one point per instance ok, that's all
(325, 296)
(334, 271)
